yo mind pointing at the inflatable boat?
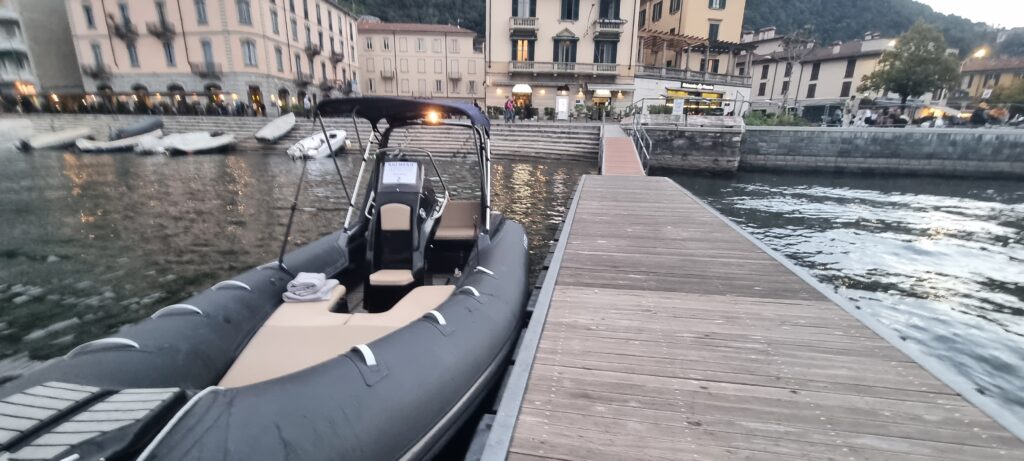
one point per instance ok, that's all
(86, 145)
(319, 146)
(144, 126)
(199, 142)
(385, 366)
(276, 129)
(53, 140)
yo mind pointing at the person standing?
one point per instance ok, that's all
(307, 105)
(849, 109)
(509, 109)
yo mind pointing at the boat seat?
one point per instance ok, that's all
(412, 306)
(459, 221)
(391, 278)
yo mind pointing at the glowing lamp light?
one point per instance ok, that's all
(892, 42)
(295, 99)
(579, 94)
(980, 53)
(620, 96)
(497, 91)
(234, 96)
(433, 117)
(543, 91)
(54, 97)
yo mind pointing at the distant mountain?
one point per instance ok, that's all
(847, 20)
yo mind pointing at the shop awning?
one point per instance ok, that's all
(522, 88)
(602, 93)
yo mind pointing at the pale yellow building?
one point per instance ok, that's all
(981, 76)
(261, 51)
(420, 61)
(561, 54)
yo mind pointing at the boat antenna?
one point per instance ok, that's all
(334, 158)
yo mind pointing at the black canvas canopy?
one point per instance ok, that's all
(398, 110)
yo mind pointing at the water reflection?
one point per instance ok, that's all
(937, 260)
(91, 242)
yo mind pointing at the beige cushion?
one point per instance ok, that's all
(395, 217)
(459, 221)
(310, 313)
(414, 305)
(391, 278)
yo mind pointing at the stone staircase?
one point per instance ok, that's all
(520, 141)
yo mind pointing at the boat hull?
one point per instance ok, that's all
(316, 146)
(55, 140)
(148, 125)
(276, 129)
(125, 144)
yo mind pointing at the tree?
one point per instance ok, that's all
(1010, 94)
(918, 64)
(1012, 45)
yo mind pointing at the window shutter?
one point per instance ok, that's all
(554, 54)
(572, 52)
(533, 8)
(515, 8)
(530, 49)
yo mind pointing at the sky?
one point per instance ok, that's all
(1005, 13)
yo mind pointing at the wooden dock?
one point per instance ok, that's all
(618, 154)
(664, 332)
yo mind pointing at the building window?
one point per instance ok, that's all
(524, 8)
(437, 86)
(815, 71)
(713, 30)
(704, 66)
(291, 5)
(438, 67)
(123, 8)
(351, 31)
(369, 43)
(161, 12)
(90, 21)
(421, 65)
(436, 45)
(169, 54)
(421, 45)
(845, 92)
(522, 50)
(785, 88)
(762, 88)
(656, 12)
(309, 36)
(273, 22)
(97, 54)
(570, 10)
(249, 53)
(387, 44)
(369, 64)
(201, 12)
(643, 18)
(673, 6)
(716, 4)
(244, 14)
(403, 65)
(320, 39)
(454, 46)
(811, 90)
(565, 50)
(472, 87)
(851, 65)
(604, 51)
(323, 71)
(330, 21)
(609, 9)
(298, 64)
(295, 31)
(305, 9)
(764, 71)
(207, 51)
(133, 55)
(318, 21)
(279, 58)
(789, 70)
(371, 85)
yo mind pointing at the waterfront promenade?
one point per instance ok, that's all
(662, 331)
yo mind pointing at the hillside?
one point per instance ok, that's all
(832, 19)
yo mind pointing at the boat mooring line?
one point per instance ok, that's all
(230, 284)
(937, 368)
(174, 420)
(100, 344)
(368, 357)
(177, 307)
(500, 438)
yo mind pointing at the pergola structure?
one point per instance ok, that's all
(661, 43)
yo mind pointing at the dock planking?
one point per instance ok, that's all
(668, 334)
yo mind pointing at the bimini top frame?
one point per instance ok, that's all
(400, 112)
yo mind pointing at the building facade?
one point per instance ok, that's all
(981, 76)
(420, 61)
(35, 51)
(262, 52)
(561, 55)
(691, 50)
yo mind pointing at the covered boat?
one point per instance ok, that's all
(54, 140)
(319, 146)
(199, 142)
(118, 145)
(144, 126)
(276, 129)
(385, 366)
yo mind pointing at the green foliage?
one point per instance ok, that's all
(659, 109)
(1013, 45)
(847, 20)
(468, 14)
(761, 119)
(1010, 94)
(917, 65)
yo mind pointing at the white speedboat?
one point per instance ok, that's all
(317, 146)
(117, 145)
(276, 129)
(54, 140)
(198, 142)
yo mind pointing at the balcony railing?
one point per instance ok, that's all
(454, 74)
(693, 75)
(387, 73)
(125, 31)
(574, 68)
(303, 79)
(608, 26)
(96, 71)
(206, 69)
(342, 86)
(337, 56)
(517, 23)
(312, 50)
(163, 30)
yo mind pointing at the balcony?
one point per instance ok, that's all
(692, 75)
(557, 68)
(96, 72)
(327, 85)
(608, 27)
(387, 73)
(337, 56)
(454, 75)
(342, 86)
(207, 69)
(125, 31)
(303, 79)
(162, 30)
(312, 50)
(522, 24)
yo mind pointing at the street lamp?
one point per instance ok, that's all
(981, 52)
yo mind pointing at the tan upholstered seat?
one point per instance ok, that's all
(395, 217)
(412, 306)
(391, 278)
(459, 221)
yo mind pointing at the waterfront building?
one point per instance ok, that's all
(261, 52)
(980, 76)
(420, 60)
(561, 57)
(35, 49)
(692, 50)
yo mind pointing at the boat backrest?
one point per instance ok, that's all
(460, 221)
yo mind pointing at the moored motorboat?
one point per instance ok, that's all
(199, 142)
(235, 373)
(147, 125)
(54, 140)
(318, 146)
(123, 144)
(276, 129)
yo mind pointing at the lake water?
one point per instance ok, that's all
(939, 261)
(89, 243)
